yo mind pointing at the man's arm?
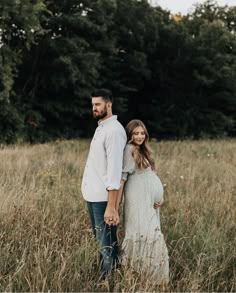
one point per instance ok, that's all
(119, 194)
(115, 143)
(111, 216)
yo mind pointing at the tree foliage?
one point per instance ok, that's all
(20, 27)
(176, 73)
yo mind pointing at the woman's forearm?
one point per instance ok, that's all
(119, 194)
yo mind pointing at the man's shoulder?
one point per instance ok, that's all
(115, 126)
(119, 125)
(116, 131)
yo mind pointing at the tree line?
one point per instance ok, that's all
(176, 73)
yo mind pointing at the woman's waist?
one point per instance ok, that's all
(143, 171)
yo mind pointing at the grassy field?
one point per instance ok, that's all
(46, 243)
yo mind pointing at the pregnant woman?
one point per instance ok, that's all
(143, 247)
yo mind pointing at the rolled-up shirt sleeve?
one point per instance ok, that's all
(114, 145)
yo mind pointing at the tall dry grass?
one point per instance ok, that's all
(45, 241)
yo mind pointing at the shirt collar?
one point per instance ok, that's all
(113, 117)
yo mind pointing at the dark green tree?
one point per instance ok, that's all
(19, 28)
(68, 63)
(214, 69)
(175, 73)
(137, 41)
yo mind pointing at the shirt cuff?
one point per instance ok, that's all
(113, 187)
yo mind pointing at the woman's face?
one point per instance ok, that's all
(138, 135)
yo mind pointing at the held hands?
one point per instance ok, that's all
(158, 204)
(111, 216)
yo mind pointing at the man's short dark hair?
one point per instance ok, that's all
(104, 93)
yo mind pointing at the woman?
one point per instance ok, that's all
(144, 246)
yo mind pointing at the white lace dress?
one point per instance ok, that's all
(144, 247)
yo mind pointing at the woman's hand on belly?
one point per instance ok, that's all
(158, 204)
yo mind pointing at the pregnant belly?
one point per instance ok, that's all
(156, 188)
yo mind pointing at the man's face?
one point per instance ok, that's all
(99, 107)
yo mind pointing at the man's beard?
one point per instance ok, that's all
(100, 115)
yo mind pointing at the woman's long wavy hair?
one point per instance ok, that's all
(142, 154)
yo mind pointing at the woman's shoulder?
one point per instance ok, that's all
(129, 146)
(128, 151)
(128, 160)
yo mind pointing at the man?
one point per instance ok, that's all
(102, 175)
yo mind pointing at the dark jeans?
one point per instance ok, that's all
(105, 236)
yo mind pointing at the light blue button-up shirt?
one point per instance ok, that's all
(104, 164)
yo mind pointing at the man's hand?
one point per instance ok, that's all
(111, 216)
